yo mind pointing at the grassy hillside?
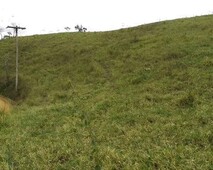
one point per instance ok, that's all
(137, 98)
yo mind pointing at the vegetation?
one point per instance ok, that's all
(137, 98)
(80, 28)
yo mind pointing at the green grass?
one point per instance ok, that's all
(137, 98)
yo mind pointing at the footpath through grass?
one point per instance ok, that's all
(137, 98)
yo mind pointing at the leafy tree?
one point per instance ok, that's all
(9, 33)
(67, 28)
(80, 28)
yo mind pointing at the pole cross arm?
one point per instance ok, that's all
(16, 27)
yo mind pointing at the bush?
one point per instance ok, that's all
(7, 89)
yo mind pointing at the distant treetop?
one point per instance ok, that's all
(80, 28)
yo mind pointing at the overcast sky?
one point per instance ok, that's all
(45, 16)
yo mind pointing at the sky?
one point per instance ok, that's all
(51, 16)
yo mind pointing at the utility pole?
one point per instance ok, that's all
(16, 28)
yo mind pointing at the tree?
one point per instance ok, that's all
(1, 31)
(80, 28)
(9, 33)
(67, 28)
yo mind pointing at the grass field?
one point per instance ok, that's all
(137, 98)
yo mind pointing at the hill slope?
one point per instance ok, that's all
(138, 98)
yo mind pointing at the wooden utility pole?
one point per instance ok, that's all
(16, 28)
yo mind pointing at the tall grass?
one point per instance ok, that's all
(137, 98)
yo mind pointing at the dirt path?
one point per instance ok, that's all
(5, 105)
